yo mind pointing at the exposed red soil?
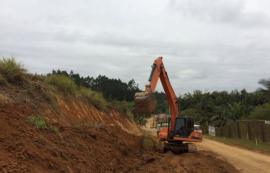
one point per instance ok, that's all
(87, 140)
(200, 162)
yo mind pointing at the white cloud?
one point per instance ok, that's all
(207, 45)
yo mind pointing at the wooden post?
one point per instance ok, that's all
(238, 130)
(262, 132)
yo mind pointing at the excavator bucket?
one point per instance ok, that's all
(144, 103)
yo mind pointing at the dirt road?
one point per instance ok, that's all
(243, 160)
(203, 161)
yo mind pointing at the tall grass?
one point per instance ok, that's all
(68, 86)
(11, 71)
(94, 98)
(62, 83)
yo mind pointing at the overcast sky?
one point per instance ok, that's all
(206, 44)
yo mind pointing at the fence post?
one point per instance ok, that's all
(248, 131)
(262, 132)
(230, 131)
(238, 130)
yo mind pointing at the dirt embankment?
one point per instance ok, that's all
(83, 139)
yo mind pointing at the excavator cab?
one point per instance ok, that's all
(184, 126)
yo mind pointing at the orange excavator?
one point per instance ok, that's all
(180, 130)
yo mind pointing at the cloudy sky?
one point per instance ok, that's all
(206, 44)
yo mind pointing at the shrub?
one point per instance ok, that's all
(38, 122)
(11, 70)
(62, 83)
(94, 98)
(261, 112)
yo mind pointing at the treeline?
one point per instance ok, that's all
(112, 89)
(222, 107)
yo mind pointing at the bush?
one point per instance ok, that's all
(62, 83)
(38, 122)
(11, 70)
(261, 112)
(94, 98)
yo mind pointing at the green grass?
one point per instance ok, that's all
(95, 98)
(11, 71)
(62, 83)
(38, 122)
(247, 144)
(261, 112)
(68, 86)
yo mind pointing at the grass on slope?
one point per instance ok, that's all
(11, 71)
(52, 85)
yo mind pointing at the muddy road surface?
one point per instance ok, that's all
(243, 160)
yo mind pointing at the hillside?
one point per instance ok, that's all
(49, 124)
(43, 129)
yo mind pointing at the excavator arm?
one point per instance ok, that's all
(159, 72)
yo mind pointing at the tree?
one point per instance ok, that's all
(261, 112)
